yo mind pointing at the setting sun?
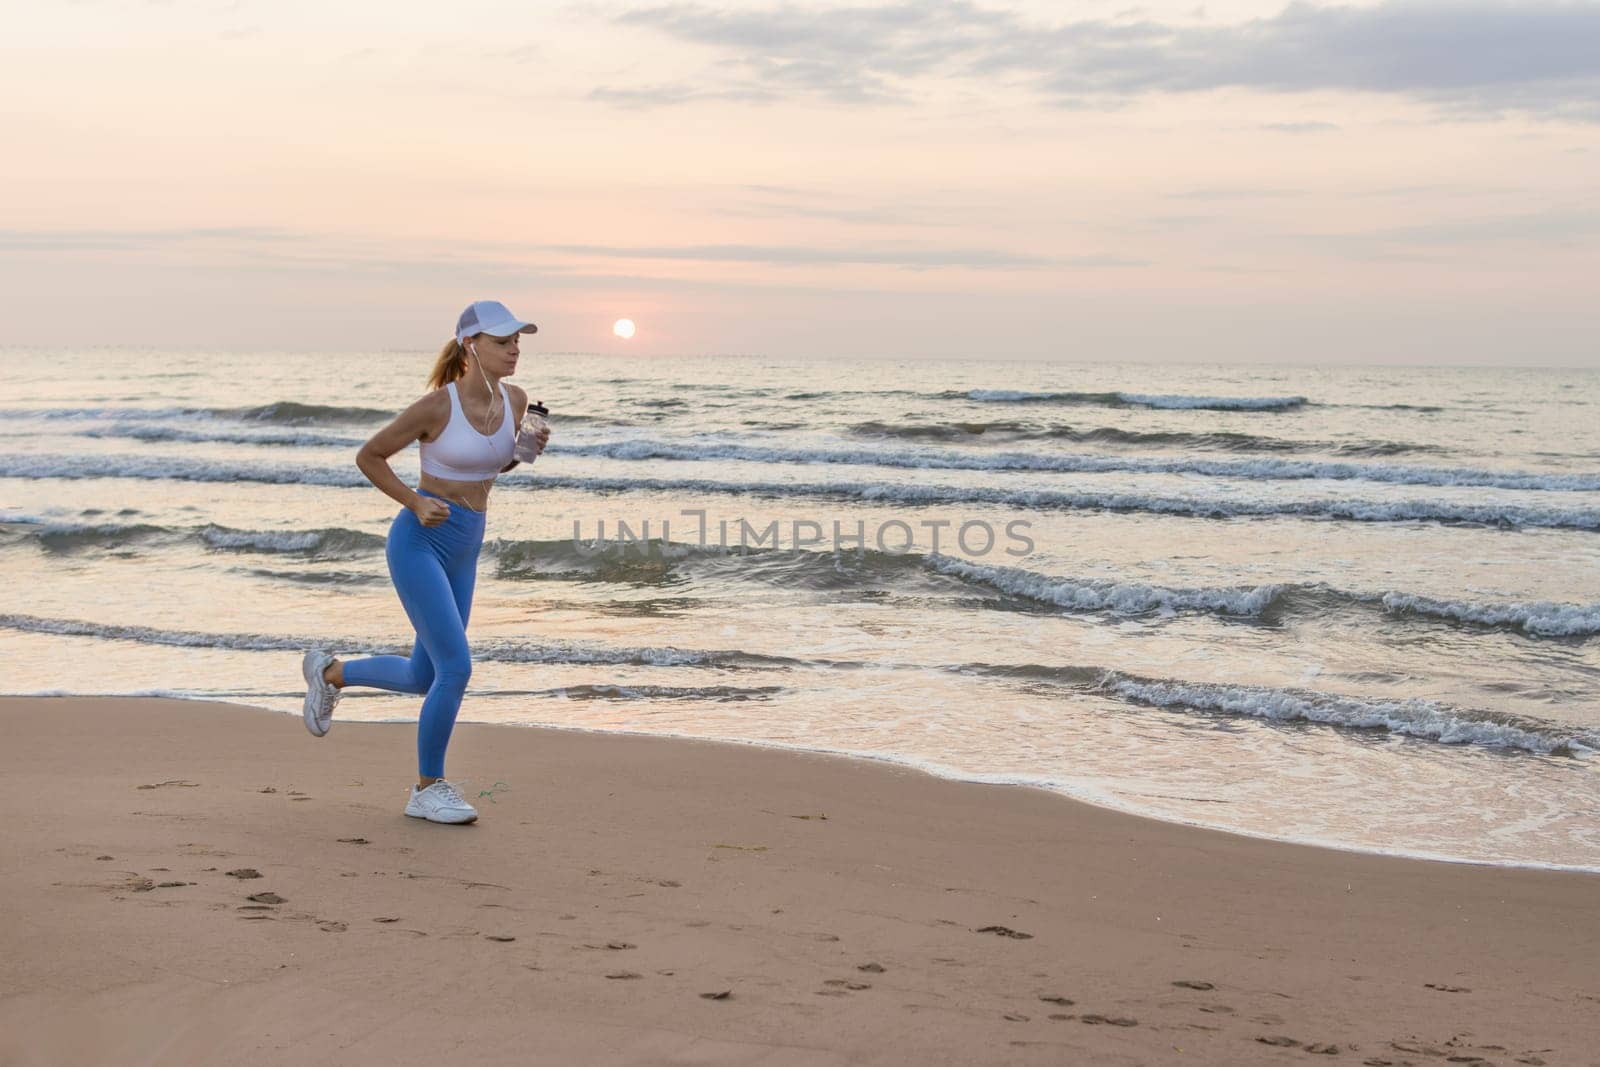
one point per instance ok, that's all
(623, 328)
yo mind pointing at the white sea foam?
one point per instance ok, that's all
(500, 651)
(949, 459)
(1215, 403)
(57, 466)
(272, 541)
(1542, 618)
(1149, 400)
(1126, 598)
(1199, 507)
(177, 468)
(1424, 719)
(288, 437)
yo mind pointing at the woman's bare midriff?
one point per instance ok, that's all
(474, 495)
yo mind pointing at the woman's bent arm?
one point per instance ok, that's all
(425, 418)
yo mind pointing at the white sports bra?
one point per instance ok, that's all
(461, 453)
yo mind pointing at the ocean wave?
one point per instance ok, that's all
(176, 468)
(1121, 399)
(1122, 598)
(71, 537)
(492, 650)
(280, 412)
(657, 563)
(1214, 403)
(942, 459)
(241, 437)
(941, 431)
(868, 571)
(329, 541)
(1012, 430)
(1423, 719)
(98, 414)
(1540, 619)
(1498, 515)
(332, 542)
(293, 413)
(1417, 718)
(716, 693)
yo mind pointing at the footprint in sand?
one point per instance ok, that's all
(1189, 983)
(1004, 931)
(1053, 998)
(1107, 1020)
(1316, 1047)
(624, 975)
(244, 872)
(870, 968)
(1447, 988)
(332, 926)
(498, 937)
(266, 898)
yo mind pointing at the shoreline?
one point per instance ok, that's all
(854, 910)
(939, 771)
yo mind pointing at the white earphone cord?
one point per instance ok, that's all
(488, 388)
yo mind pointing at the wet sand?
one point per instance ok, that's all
(197, 883)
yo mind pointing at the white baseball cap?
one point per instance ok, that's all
(490, 317)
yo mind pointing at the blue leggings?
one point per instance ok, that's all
(434, 569)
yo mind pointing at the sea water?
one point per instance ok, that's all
(1356, 606)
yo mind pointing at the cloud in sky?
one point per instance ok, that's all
(806, 176)
(269, 246)
(1470, 56)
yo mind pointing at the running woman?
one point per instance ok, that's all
(467, 427)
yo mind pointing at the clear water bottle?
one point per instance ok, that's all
(534, 424)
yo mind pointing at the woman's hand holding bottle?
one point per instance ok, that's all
(532, 434)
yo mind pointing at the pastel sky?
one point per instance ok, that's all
(1396, 181)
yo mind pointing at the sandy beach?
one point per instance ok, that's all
(194, 883)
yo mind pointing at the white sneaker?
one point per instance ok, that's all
(320, 696)
(440, 803)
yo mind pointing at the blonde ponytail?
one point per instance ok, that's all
(451, 364)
